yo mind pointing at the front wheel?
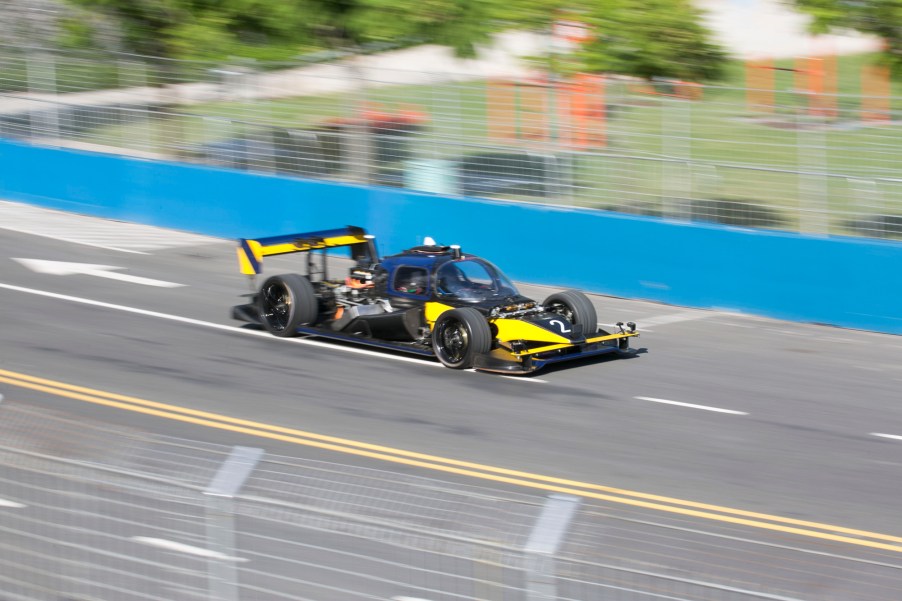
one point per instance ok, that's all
(575, 307)
(459, 336)
(286, 302)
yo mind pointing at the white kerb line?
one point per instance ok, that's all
(690, 405)
(892, 436)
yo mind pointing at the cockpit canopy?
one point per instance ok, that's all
(472, 280)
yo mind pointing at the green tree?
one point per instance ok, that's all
(882, 18)
(651, 38)
(213, 28)
(644, 38)
(459, 24)
(267, 29)
(648, 38)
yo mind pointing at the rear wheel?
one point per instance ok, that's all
(459, 336)
(286, 302)
(576, 307)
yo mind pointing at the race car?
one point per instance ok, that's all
(428, 300)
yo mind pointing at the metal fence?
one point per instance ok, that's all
(784, 158)
(91, 512)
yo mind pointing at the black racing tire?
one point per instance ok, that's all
(286, 302)
(576, 307)
(459, 336)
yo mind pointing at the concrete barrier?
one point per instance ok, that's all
(848, 282)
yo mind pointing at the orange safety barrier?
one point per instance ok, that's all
(875, 93)
(759, 85)
(522, 110)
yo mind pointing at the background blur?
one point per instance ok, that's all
(794, 134)
(735, 116)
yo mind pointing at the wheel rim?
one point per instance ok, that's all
(453, 341)
(276, 306)
(561, 309)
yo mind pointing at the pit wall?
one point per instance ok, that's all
(848, 282)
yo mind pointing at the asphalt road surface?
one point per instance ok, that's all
(799, 421)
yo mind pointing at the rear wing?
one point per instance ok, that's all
(251, 252)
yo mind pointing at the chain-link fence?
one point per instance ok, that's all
(92, 512)
(780, 158)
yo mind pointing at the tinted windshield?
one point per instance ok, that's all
(473, 280)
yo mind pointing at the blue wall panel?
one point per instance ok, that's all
(843, 281)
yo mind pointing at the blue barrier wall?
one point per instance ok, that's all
(848, 282)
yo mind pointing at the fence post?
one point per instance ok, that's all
(132, 77)
(676, 146)
(232, 474)
(41, 75)
(814, 185)
(543, 544)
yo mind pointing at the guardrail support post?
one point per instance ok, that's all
(41, 75)
(232, 474)
(543, 544)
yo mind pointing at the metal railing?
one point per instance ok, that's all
(91, 511)
(694, 153)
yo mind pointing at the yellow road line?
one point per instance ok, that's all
(464, 468)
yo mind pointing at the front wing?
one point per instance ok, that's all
(512, 362)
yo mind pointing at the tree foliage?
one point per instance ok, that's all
(651, 38)
(882, 18)
(648, 38)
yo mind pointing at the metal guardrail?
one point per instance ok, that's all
(90, 511)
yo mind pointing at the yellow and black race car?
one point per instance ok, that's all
(428, 300)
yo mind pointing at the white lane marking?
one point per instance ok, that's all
(524, 379)
(217, 326)
(171, 545)
(11, 504)
(101, 271)
(239, 330)
(893, 436)
(690, 405)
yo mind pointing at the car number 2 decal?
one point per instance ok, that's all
(564, 328)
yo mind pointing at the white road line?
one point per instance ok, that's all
(690, 405)
(893, 436)
(65, 268)
(11, 504)
(526, 379)
(239, 330)
(217, 326)
(171, 545)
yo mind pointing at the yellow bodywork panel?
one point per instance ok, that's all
(303, 245)
(251, 252)
(516, 329)
(554, 347)
(244, 261)
(433, 310)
